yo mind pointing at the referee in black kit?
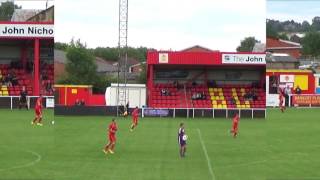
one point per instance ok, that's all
(23, 98)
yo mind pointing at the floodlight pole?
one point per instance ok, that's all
(123, 53)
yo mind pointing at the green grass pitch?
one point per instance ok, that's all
(285, 146)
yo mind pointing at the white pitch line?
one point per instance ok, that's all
(206, 154)
(27, 164)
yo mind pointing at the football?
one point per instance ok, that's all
(185, 137)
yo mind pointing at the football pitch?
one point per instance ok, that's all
(285, 146)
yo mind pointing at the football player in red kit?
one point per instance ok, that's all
(38, 112)
(235, 123)
(135, 115)
(281, 98)
(112, 129)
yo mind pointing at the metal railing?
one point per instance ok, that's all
(204, 112)
(12, 102)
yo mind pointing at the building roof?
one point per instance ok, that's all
(297, 34)
(102, 65)
(280, 57)
(259, 47)
(22, 15)
(130, 62)
(60, 56)
(46, 15)
(138, 64)
(300, 35)
(275, 43)
(197, 48)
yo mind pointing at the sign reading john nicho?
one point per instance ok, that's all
(27, 30)
(243, 58)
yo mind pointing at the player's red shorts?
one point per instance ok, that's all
(38, 112)
(112, 138)
(235, 127)
(135, 120)
(281, 103)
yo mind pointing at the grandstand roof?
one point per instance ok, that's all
(192, 58)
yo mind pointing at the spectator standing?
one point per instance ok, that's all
(77, 103)
(126, 112)
(82, 102)
(287, 93)
(298, 90)
(23, 98)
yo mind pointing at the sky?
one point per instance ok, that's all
(161, 24)
(293, 10)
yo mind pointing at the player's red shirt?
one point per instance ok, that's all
(280, 97)
(135, 112)
(236, 119)
(112, 128)
(39, 103)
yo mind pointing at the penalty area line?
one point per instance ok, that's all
(206, 155)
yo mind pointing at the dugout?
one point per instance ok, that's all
(67, 95)
(223, 79)
(282, 78)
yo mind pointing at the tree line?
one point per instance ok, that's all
(110, 53)
(6, 10)
(310, 42)
(293, 26)
(81, 68)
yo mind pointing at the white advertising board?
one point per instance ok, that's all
(253, 59)
(27, 30)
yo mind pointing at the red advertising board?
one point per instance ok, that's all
(302, 100)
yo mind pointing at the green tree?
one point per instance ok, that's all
(110, 54)
(305, 26)
(247, 44)
(271, 32)
(61, 46)
(311, 44)
(143, 74)
(316, 23)
(80, 66)
(6, 10)
(103, 81)
(138, 53)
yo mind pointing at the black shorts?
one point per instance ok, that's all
(183, 143)
(23, 100)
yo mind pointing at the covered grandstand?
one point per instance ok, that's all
(26, 59)
(216, 82)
